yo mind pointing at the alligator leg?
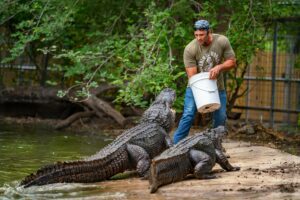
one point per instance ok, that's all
(203, 164)
(223, 161)
(140, 157)
(224, 151)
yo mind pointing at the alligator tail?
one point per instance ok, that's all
(80, 171)
(168, 170)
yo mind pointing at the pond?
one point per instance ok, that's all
(24, 149)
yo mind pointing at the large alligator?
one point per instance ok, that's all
(195, 154)
(133, 149)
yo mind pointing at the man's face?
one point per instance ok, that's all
(201, 36)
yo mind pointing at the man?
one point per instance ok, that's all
(206, 53)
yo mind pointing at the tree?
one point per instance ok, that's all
(135, 45)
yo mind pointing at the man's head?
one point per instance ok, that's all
(201, 32)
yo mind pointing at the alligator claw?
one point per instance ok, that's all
(236, 168)
(207, 176)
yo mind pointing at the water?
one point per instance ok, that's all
(25, 149)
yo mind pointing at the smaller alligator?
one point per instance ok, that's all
(195, 154)
(133, 149)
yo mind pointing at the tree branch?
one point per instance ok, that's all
(67, 122)
(97, 104)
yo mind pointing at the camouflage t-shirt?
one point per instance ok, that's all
(206, 57)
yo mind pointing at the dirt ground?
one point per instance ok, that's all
(266, 173)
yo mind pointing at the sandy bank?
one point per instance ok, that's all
(266, 173)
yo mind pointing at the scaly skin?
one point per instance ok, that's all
(133, 149)
(195, 154)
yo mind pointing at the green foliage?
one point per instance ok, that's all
(148, 68)
(136, 45)
(140, 64)
(40, 22)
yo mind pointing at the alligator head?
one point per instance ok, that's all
(216, 135)
(161, 111)
(166, 96)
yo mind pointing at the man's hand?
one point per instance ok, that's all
(214, 72)
(225, 66)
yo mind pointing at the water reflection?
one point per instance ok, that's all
(24, 149)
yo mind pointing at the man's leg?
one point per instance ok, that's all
(219, 116)
(188, 116)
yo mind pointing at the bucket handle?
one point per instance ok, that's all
(210, 91)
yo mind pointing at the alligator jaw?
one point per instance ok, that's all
(152, 180)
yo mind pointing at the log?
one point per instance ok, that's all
(47, 95)
(67, 122)
(98, 104)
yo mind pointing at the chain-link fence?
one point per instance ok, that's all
(273, 79)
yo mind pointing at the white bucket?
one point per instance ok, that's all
(205, 92)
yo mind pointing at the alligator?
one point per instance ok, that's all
(195, 155)
(132, 150)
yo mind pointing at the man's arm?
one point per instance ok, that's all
(190, 71)
(225, 66)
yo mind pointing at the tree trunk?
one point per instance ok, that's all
(44, 69)
(235, 93)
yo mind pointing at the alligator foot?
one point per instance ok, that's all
(218, 170)
(206, 176)
(235, 168)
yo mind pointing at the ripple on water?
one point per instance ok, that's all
(58, 191)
